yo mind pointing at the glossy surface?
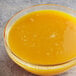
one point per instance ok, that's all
(44, 37)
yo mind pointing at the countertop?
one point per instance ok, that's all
(7, 9)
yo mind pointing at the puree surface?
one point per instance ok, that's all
(45, 37)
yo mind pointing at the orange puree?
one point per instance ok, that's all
(45, 37)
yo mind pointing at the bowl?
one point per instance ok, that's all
(33, 68)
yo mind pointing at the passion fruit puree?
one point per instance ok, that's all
(45, 37)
